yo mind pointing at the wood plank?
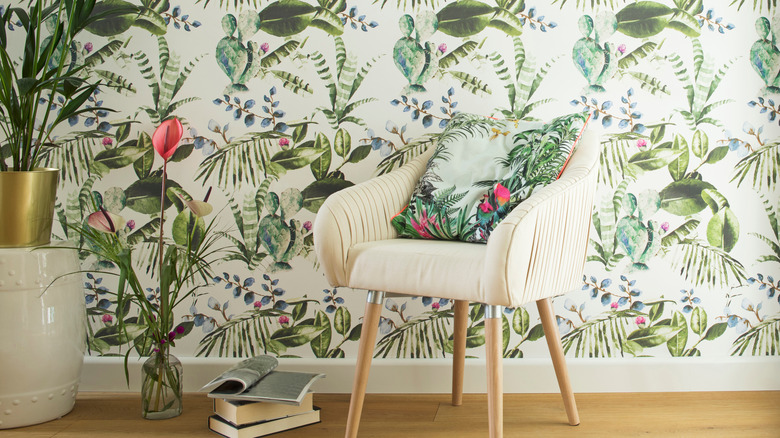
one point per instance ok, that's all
(689, 414)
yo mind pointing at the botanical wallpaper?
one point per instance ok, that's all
(285, 102)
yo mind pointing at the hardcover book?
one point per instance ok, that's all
(263, 428)
(245, 412)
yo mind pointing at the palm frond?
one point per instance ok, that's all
(424, 336)
(704, 265)
(604, 336)
(762, 166)
(406, 153)
(246, 160)
(245, 335)
(761, 340)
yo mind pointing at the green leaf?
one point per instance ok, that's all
(321, 343)
(653, 336)
(679, 166)
(676, 344)
(643, 19)
(286, 17)
(342, 143)
(187, 224)
(656, 311)
(321, 166)
(116, 22)
(536, 332)
(653, 159)
(297, 335)
(119, 157)
(151, 21)
(475, 336)
(698, 320)
(683, 197)
(143, 196)
(316, 193)
(464, 18)
(328, 21)
(700, 144)
(296, 158)
(717, 154)
(342, 321)
(507, 22)
(520, 321)
(714, 200)
(723, 229)
(354, 334)
(359, 153)
(715, 331)
(685, 23)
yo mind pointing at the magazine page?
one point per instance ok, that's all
(278, 386)
(242, 375)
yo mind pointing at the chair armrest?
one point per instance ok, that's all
(539, 249)
(362, 213)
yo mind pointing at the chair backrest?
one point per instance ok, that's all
(553, 225)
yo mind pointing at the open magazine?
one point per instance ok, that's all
(256, 379)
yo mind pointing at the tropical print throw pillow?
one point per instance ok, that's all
(481, 169)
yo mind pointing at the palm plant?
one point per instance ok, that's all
(47, 72)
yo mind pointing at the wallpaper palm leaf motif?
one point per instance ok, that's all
(287, 101)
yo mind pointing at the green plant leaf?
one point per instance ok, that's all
(291, 159)
(643, 19)
(676, 344)
(684, 22)
(342, 143)
(464, 18)
(520, 321)
(321, 344)
(316, 193)
(297, 335)
(286, 17)
(723, 229)
(698, 320)
(715, 331)
(700, 144)
(359, 153)
(143, 196)
(342, 321)
(653, 159)
(653, 336)
(683, 197)
(115, 23)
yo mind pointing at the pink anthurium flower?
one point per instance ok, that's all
(502, 194)
(166, 137)
(106, 222)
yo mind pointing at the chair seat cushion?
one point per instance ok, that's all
(480, 170)
(438, 268)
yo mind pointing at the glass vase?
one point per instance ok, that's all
(161, 390)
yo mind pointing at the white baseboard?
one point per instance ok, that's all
(520, 375)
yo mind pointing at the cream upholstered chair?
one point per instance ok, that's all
(536, 252)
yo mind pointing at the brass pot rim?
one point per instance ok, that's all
(35, 170)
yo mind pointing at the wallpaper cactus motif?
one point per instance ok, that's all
(287, 101)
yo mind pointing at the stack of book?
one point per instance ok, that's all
(252, 399)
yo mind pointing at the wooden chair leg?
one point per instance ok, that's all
(459, 350)
(559, 362)
(365, 354)
(495, 370)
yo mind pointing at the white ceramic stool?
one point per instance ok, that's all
(42, 333)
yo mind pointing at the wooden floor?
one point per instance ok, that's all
(713, 414)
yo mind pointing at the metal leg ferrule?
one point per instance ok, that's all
(375, 297)
(493, 311)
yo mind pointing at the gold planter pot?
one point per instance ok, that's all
(27, 207)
